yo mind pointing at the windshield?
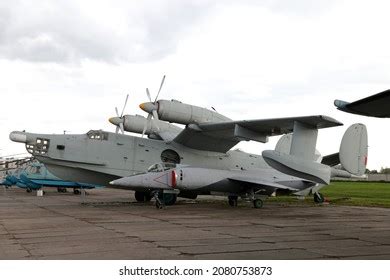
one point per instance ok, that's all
(159, 167)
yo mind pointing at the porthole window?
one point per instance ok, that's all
(170, 156)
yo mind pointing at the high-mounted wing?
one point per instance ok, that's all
(222, 136)
(377, 105)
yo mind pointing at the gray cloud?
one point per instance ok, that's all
(62, 31)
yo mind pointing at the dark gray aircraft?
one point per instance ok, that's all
(377, 105)
(203, 152)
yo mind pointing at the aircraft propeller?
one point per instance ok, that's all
(151, 107)
(119, 119)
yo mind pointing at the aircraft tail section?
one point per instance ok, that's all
(354, 149)
(296, 155)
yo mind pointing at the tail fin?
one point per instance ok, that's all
(296, 155)
(354, 149)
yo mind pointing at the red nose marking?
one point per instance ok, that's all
(173, 174)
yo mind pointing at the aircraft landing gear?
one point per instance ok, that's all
(258, 203)
(28, 190)
(318, 197)
(61, 190)
(159, 203)
(142, 196)
(76, 191)
(164, 199)
(168, 198)
(233, 200)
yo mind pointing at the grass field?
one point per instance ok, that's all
(351, 193)
(358, 193)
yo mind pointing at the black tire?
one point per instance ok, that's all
(142, 196)
(318, 198)
(76, 192)
(148, 197)
(139, 196)
(28, 190)
(233, 200)
(257, 203)
(168, 198)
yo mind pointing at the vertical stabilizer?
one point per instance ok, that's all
(303, 143)
(354, 149)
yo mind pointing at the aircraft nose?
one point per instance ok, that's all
(18, 136)
(128, 181)
(148, 107)
(115, 120)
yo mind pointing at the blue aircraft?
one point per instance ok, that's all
(35, 175)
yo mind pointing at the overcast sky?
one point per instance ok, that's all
(65, 65)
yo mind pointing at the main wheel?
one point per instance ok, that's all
(139, 196)
(318, 197)
(168, 198)
(257, 203)
(142, 196)
(28, 190)
(76, 191)
(233, 200)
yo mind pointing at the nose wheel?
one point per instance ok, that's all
(318, 197)
(258, 203)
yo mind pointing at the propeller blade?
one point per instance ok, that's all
(146, 124)
(121, 127)
(124, 106)
(155, 115)
(148, 94)
(158, 93)
(116, 110)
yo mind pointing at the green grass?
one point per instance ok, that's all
(358, 193)
(348, 193)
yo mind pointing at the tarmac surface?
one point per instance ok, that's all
(111, 225)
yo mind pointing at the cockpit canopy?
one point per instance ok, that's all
(97, 135)
(162, 166)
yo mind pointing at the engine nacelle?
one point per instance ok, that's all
(136, 124)
(178, 112)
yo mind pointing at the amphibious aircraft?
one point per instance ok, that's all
(377, 105)
(206, 142)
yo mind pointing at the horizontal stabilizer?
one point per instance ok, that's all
(331, 160)
(299, 167)
(352, 156)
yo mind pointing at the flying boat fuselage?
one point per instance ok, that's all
(99, 157)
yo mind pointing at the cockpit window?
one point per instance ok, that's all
(168, 165)
(155, 168)
(97, 135)
(159, 167)
(40, 147)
